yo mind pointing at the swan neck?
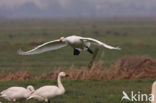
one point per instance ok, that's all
(60, 83)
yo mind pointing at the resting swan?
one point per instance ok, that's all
(49, 91)
(15, 93)
(76, 42)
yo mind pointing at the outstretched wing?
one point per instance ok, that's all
(48, 46)
(96, 42)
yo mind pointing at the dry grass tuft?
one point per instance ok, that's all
(95, 73)
(20, 75)
(78, 73)
(50, 76)
(135, 68)
(125, 68)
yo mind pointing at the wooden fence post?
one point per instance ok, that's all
(93, 58)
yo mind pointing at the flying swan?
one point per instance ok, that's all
(49, 91)
(76, 42)
(16, 93)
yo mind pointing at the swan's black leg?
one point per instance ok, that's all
(48, 101)
(76, 52)
(89, 50)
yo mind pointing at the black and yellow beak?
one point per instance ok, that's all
(61, 39)
(66, 75)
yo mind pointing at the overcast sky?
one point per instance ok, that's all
(77, 8)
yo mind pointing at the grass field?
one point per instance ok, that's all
(135, 37)
(89, 91)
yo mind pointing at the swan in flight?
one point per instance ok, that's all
(16, 93)
(76, 42)
(49, 91)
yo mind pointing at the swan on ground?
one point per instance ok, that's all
(47, 92)
(16, 93)
(78, 43)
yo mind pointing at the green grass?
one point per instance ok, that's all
(88, 91)
(135, 37)
(123, 33)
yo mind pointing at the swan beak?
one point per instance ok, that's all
(61, 39)
(66, 75)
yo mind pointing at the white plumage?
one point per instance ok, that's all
(154, 92)
(15, 93)
(47, 92)
(76, 42)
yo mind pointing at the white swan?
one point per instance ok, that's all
(154, 92)
(16, 93)
(49, 91)
(76, 42)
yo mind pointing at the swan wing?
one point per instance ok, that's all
(14, 92)
(46, 91)
(13, 89)
(48, 46)
(97, 42)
